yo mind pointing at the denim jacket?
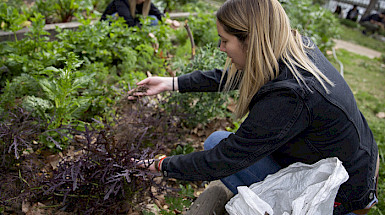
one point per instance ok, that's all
(293, 123)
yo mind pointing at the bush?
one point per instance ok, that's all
(201, 107)
(350, 23)
(314, 21)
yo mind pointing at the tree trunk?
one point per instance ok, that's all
(370, 7)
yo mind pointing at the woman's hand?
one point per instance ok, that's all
(146, 164)
(154, 85)
(154, 165)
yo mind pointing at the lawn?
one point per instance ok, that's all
(366, 78)
(354, 35)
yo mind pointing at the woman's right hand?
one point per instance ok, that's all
(154, 85)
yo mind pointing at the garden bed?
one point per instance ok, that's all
(51, 28)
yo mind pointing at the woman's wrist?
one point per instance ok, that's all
(174, 84)
(159, 167)
(158, 162)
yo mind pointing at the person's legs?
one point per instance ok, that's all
(154, 20)
(369, 27)
(252, 174)
(215, 138)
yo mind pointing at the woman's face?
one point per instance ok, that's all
(139, 1)
(233, 47)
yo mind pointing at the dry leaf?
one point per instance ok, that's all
(381, 115)
(231, 105)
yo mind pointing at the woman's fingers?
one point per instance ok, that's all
(138, 91)
(145, 164)
(143, 82)
(151, 86)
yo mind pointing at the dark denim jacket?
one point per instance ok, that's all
(293, 124)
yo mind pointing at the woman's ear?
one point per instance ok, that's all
(246, 44)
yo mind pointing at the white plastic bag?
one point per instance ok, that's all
(297, 189)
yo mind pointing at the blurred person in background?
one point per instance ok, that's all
(129, 9)
(373, 23)
(353, 14)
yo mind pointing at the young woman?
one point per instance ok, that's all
(128, 9)
(298, 108)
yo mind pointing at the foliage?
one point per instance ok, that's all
(46, 8)
(66, 9)
(200, 107)
(204, 29)
(182, 150)
(173, 5)
(10, 18)
(98, 176)
(67, 84)
(61, 104)
(349, 23)
(18, 172)
(70, 87)
(56, 11)
(180, 202)
(17, 132)
(177, 203)
(314, 21)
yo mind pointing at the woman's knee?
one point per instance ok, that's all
(215, 138)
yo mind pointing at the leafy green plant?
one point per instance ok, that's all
(180, 202)
(236, 125)
(10, 18)
(66, 9)
(314, 21)
(59, 91)
(201, 107)
(15, 90)
(203, 27)
(46, 8)
(350, 23)
(177, 203)
(172, 5)
(182, 150)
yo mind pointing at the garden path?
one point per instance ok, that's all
(361, 50)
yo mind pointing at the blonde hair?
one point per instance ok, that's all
(264, 29)
(145, 10)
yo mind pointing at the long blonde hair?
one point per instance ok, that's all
(264, 28)
(145, 10)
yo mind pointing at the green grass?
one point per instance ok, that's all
(355, 35)
(366, 77)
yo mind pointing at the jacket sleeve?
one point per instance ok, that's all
(273, 120)
(201, 81)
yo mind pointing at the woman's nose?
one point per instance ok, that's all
(222, 47)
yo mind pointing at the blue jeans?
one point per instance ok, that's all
(154, 20)
(255, 173)
(252, 174)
